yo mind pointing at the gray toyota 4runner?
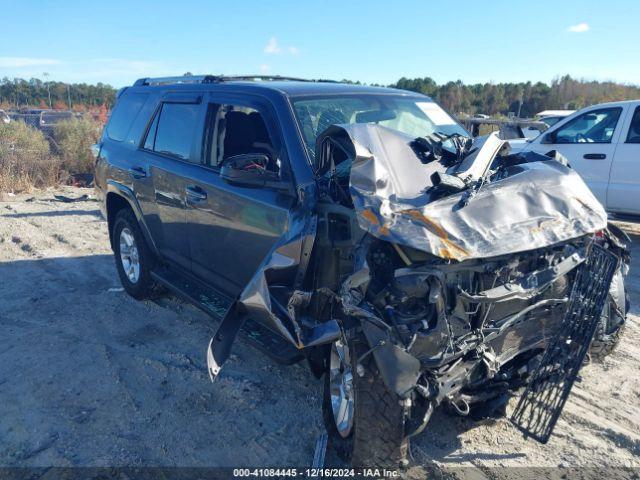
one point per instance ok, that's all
(362, 230)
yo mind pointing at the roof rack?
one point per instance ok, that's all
(218, 79)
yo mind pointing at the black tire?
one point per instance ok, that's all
(608, 334)
(612, 321)
(144, 287)
(604, 345)
(377, 438)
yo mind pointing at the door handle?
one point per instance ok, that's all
(594, 156)
(195, 194)
(138, 172)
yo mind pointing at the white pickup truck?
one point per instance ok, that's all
(602, 143)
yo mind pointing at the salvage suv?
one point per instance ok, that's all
(362, 230)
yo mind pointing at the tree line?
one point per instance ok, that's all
(527, 98)
(18, 93)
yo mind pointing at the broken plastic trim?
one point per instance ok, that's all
(399, 370)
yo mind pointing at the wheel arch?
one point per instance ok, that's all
(119, 197)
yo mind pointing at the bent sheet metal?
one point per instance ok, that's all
(544, 203)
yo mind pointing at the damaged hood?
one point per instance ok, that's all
(532, 205)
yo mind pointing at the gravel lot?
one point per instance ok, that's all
(91, 377)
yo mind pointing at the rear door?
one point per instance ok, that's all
(588, 140)
(624, 181)
(232, 228)
(172, 152)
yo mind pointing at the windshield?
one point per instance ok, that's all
(414, 116)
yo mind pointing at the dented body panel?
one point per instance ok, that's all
(540, 204)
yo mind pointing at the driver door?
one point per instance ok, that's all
(588, 141)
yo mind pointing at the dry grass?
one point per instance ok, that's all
(74, 138)
(25, 159)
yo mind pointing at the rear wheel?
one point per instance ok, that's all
(365, 421)
(133, 258)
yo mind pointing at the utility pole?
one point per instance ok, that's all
(519, 107)
(46, 75)
(69, 96)
(520, 100)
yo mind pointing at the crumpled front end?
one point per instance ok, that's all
(536, 204)
(454, 270)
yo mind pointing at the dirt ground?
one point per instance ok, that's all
(91, 377)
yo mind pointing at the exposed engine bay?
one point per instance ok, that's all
(453, 259)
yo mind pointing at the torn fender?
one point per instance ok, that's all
(287, 261)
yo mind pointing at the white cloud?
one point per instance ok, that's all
(264, 67)
(21, 62)
(579, 28)
(272, 46)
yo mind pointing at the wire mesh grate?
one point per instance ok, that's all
(542, 401)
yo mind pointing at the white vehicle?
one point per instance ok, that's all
(551, 117)
(602, 143)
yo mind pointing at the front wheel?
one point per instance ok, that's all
(365, 421)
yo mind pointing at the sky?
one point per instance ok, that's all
(116, 42)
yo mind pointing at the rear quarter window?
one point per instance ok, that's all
(173, 130)
(124, 114)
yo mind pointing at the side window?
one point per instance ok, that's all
(634, 129)
(125, 112)
(173, 130)
(596, 126)
(236, 130)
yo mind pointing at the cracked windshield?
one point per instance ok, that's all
(413, 116)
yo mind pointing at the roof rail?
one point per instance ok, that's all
(182, 79)
(263, 78)
(218, 79)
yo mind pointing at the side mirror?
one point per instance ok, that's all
(250, 170)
